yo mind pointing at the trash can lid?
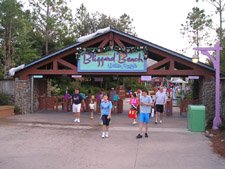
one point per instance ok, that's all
(196, 107)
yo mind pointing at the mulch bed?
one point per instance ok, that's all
(218, 142)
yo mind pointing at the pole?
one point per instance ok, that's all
(217, 120)
(216, 64)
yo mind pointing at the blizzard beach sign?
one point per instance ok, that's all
(112, 61)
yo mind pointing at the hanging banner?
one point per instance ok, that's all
(112, 61)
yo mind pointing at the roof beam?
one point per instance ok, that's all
(67, 64)
(158, 64)
(102, 45)
(119, 43)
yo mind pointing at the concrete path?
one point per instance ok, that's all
(50, 140)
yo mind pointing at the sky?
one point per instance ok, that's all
(157, 21)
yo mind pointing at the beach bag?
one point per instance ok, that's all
(132, 114)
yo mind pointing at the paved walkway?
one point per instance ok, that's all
(51, 140)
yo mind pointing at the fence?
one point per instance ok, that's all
(7, 87)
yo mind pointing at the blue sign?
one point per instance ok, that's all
(112, 61)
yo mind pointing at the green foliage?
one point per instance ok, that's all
(222, 126)
(194, 28)
(87, 23)
(209, 121)
(132, 83)
(4, 99)
(188, 95)
(17, 110)
(53, 20)
(55, 90)
(222, 57)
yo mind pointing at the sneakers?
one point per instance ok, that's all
(156, 122)
(134, 122)
(106, 134)
(139, 136)
(160, 121)
(77, 120)
(103, 134)
(146, 135)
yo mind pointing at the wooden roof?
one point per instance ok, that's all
(168, 62)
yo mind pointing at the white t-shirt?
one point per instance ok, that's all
(160, 98)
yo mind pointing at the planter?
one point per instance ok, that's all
(6, 111)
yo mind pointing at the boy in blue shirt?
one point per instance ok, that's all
(145, 109)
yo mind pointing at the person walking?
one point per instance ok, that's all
(106, 108)
(77, 100)
(145, 109)
(92, 106)
(134, 102)
(160, 102)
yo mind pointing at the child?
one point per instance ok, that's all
(106, 107)
(134, 102)
(92, 106)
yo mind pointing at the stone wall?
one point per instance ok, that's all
(41, 87)
(23, 95)
(207, 97)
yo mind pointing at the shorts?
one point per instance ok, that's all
(105, 120)
(159, 108)
(76, 108)
(144, 118)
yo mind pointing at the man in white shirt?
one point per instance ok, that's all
(160, 101)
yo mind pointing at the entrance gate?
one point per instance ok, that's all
(160, 62)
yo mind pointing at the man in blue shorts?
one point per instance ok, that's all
(145, 109)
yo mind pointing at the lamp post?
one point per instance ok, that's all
(216, 64)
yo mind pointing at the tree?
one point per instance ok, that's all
(87, 23)
(83, 21)
(14, 30)
(52, 20)
(219, 8)
(195, 25)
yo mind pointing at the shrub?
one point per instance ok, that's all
(4, 99)
(17, 110)
(222, 126)
(209, 122)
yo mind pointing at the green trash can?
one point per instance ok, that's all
(196, 118)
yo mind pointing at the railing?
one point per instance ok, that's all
(59, 103)
(54, 103)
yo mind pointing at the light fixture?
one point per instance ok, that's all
(195, 57)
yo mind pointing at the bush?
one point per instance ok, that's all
(17, 110)
(222, 126)
(4, 99)
(209, 122)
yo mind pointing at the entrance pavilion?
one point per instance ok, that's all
(157, 62)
